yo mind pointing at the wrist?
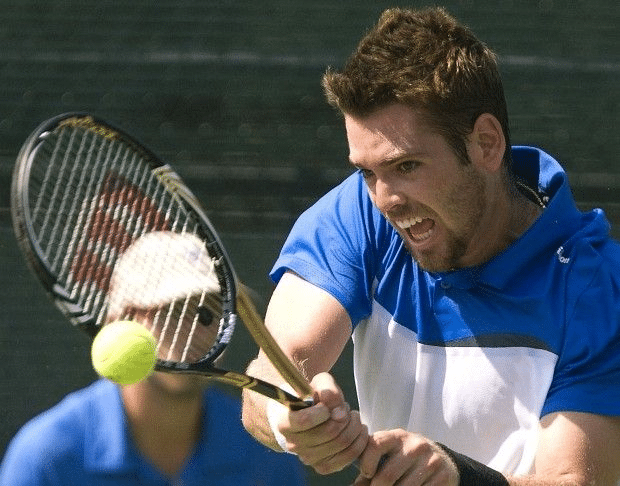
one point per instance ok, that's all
(275, 411)
(472, 472)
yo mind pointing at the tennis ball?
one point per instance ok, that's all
(124, 352)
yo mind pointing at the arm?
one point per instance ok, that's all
(312, 328)
(576, 449)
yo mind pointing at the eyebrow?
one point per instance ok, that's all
(394, 160)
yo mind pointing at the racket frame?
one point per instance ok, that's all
(36, 260)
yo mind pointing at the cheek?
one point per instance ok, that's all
(432, 188)
(465, 202)
(436, 195)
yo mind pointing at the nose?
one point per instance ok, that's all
(387, 195)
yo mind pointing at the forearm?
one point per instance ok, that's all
(254, 411)
(473, 473)
(541, 481)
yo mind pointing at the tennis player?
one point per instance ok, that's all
(484, 307)
(167, 429)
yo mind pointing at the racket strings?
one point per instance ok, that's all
(100, 247)
(50, 184)
(92, 197)
(122, 220)
(119, 212)
(103, 240)
(84, 190)
(182, 336)
(55, 209)
(66, 204)
(87, 194)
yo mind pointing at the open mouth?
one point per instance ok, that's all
(418, 229)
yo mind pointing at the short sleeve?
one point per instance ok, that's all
(587, 375)
(333, 246)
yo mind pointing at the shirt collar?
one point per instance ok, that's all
(558, 221)
(109, 447)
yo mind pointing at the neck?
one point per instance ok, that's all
(509, 215)
(164, 424)
(524, 210)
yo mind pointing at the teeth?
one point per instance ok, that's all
(407, 223)
(423, 236)
(404, 224)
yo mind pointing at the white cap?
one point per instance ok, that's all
(158, 268)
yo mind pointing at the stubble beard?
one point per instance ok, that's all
(466, 204)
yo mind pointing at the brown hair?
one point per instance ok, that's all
(427, 60)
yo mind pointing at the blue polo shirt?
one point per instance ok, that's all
(473, 358)
(84, 440)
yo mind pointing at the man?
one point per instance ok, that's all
(492, 356)
(166, 429)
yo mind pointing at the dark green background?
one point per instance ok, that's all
(229, 93)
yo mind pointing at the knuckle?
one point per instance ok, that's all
(444, 477)
(346, 451)
(336, 463)
(438, 460)
(308, 418)
(420, 447)
(335, 466)
(333, 430)
(309, 458)
(351, 453)
(347, 438)
(388, 475)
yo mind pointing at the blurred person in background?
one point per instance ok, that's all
(166, 429)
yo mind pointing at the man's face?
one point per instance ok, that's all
(183, 334)
(434, 201)
(181, 330)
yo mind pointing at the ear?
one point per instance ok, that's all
(487, 144)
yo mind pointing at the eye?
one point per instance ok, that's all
(205, 316)
(366, 174)
(407, 166)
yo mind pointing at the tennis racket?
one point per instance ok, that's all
(113, 233)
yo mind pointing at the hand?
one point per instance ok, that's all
(327, 436)
(407, 459)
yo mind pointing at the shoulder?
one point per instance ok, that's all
(592, 256)
(57, 435)
(341, 245)
(343, 221)
(587, 377)
(345, 202)
(65, 419)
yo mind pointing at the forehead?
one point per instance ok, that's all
(388, 133)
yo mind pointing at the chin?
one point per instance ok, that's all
(440, 258)
(433, 267)
(178, 384)
(430, 261)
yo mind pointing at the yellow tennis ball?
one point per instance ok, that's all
(124, 352)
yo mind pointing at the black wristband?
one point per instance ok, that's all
(474, 473)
